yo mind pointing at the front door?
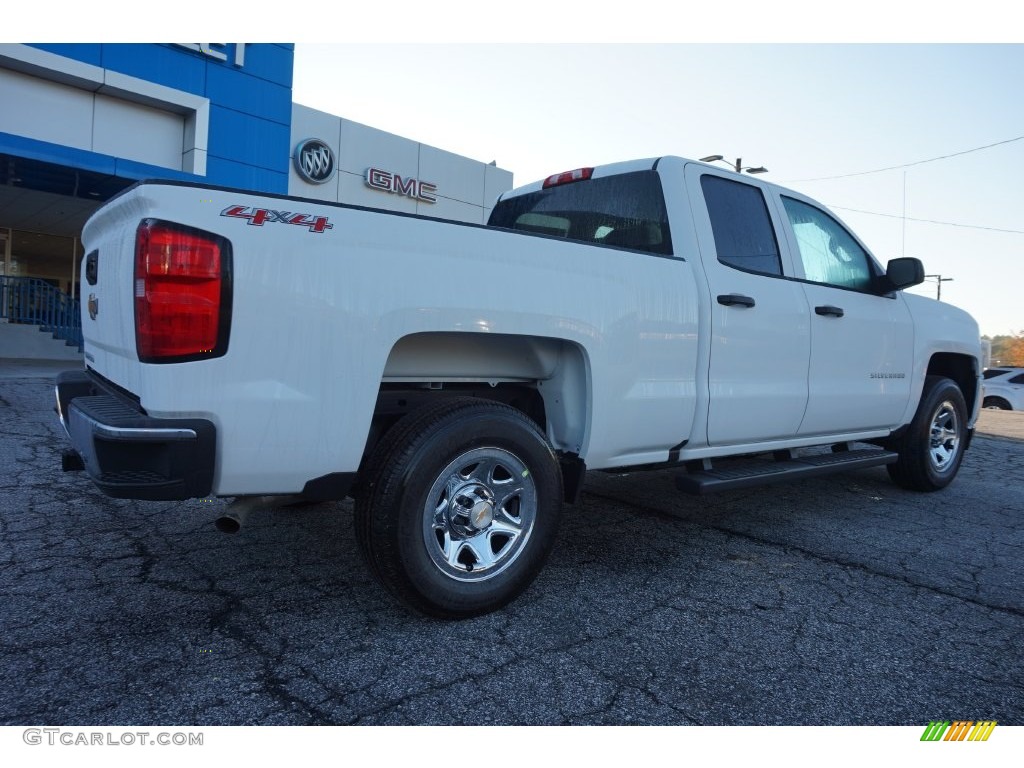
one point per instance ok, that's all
(862, 342)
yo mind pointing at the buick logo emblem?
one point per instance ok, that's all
(314, 161)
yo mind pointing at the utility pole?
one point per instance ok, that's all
(939, 280)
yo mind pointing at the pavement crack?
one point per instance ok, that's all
(829, 559)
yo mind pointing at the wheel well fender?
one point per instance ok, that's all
(960, 368)
(556, 369)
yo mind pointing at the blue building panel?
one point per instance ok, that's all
(163, 64)
(272, 62)
(131, 169)
(246, 139)
(227, 173)
(250, 109)
(240, 91)
(33, 149)
(83, 160)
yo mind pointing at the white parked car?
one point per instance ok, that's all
(1004, 389)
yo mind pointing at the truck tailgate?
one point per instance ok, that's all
(108, 325)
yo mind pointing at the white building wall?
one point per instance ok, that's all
(137, 132)
(66, 102)
(54, 112)
(466, 189)
(73, 117)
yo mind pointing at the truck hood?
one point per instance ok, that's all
(940, 320)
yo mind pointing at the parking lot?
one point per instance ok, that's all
(837, 601)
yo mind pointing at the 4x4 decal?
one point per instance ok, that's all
(259, 216)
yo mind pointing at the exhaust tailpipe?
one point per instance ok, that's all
(240, 508)
(231, 521)
(71, 461)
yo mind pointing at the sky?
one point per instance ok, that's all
(805, 112)
(805, 89)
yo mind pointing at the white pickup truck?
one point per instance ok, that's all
(458, 380)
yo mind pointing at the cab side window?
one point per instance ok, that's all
(829, 253)
(744, 236)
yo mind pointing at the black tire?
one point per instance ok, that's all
(996, 404)
(929, 462)
(459, 508)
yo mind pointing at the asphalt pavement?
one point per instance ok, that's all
(835, 601)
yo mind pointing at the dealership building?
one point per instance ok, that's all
(81, 122)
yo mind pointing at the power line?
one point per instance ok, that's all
(929, 221)
(908, 165)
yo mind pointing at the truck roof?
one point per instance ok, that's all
(611, 169)
(628, 166)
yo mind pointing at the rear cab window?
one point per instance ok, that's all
(625, 210)
(743, 231)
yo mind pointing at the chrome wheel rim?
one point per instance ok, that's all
(945, 437)
(479, 514)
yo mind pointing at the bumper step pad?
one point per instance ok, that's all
(131, 455)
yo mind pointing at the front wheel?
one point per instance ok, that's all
(932, 448)
(460, 507)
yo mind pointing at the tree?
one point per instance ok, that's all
(1008, 350)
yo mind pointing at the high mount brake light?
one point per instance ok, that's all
(580, 174)
(182, 293)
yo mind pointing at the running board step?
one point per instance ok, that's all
(702, 478)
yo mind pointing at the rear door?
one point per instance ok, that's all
(760, 333)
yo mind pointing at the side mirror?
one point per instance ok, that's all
(903, 273)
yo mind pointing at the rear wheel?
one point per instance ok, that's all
(460, 507)
(932, 448)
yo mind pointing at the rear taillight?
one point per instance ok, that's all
(182, 293)
(580, 174)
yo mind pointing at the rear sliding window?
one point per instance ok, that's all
(627, 210)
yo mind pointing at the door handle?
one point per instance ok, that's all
(829, 310)
(735, 300)
(91, 267)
